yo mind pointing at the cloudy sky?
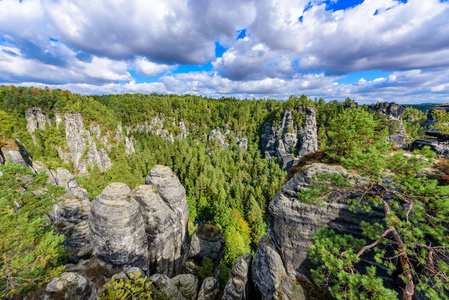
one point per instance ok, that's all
(372, 50)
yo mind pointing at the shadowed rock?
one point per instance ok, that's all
(207, 241)
(187, 284)
(239, 286)
(71, 286)
(209, 289)
(117, 229)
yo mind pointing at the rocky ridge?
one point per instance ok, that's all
(394, 113)
(290, 141)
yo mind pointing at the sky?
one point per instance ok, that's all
(369, 51)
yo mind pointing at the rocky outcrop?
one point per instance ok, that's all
(239, 286)
(207, 241)
(165, 285)
(15, 153)
(187, 285)
(71, 286)
(431, 119)
(292, 223)
(209, 289)
(291, 140)
(394, 113)
(83, 149)
(270, 276)
(117, 231)
(129, 141)
(71, 213)
(440, 146)
(36, 119)
(164, 208)
(220, 134)
(156, 127)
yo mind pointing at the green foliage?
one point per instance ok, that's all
(413, 120)
(137, 287)
(415, 222)
(5, 125)
(206, 269)
(29, 249)
(443, 120)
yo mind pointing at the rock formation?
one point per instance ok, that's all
(394, 113)
(290, 141)
(117, 228)
(207, 241)
(165, 285)
(439, 144)
(209, 289)
(239, 286)
(187, 285)
(291, 224)
(71, 213)
(71, 286)
(83, 149)
(221, 135)
(36, 119)
(164, 208)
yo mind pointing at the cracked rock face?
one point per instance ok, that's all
(207, 241)
(440, 146)
(291, 224)
(187, 284)
(71, 286)
(117, 230)
(163, 205)
(36, 119)
(209, 289)
(83, 149)
(239, 286)
(394, 113)
(165, 285)
(290, 141)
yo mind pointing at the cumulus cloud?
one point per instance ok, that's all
(291, 47)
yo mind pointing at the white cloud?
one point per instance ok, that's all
(147, 68)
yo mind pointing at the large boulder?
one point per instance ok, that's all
(239, 285)
(187, 284)
(291, 140)
(71, 286)
(440, 146)
(117, 230)
(162, 284)
(165, 212)
(207, 241)
(292, 223)
(209, 289)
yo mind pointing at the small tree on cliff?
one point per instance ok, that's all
(28, 248)
(413, 240)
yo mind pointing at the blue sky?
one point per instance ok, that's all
(368, 50)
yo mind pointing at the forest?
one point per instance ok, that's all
(232, 187)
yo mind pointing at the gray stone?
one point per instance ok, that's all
(209, 289)
(394, 113)
(36, 119)
(187, 284)
(117, 230)
(279, 142)
(73, 286)
(165, 285)
(164, 208)
(207, 241)
(440, 146)
(133, 271)
(239, 286)
(120, 276)
(431, 120)
(83, 149)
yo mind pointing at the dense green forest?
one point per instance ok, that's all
(228, 187)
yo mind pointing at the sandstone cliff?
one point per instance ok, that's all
(290, 141)
(394, 113)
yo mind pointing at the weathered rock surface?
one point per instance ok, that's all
(72, 286)
(36, 119)
(289, 137)
(431, 120)
(156, 127)
(164, 208)
(394, 113)
(270, 276)
(209, 289)
(239, 286)
(187, 285)
(117, 229)
(83, 149)
(15, 154)
(220, 134)
(165, 285)
(207, 241)
(291, 225)
(440, 146)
